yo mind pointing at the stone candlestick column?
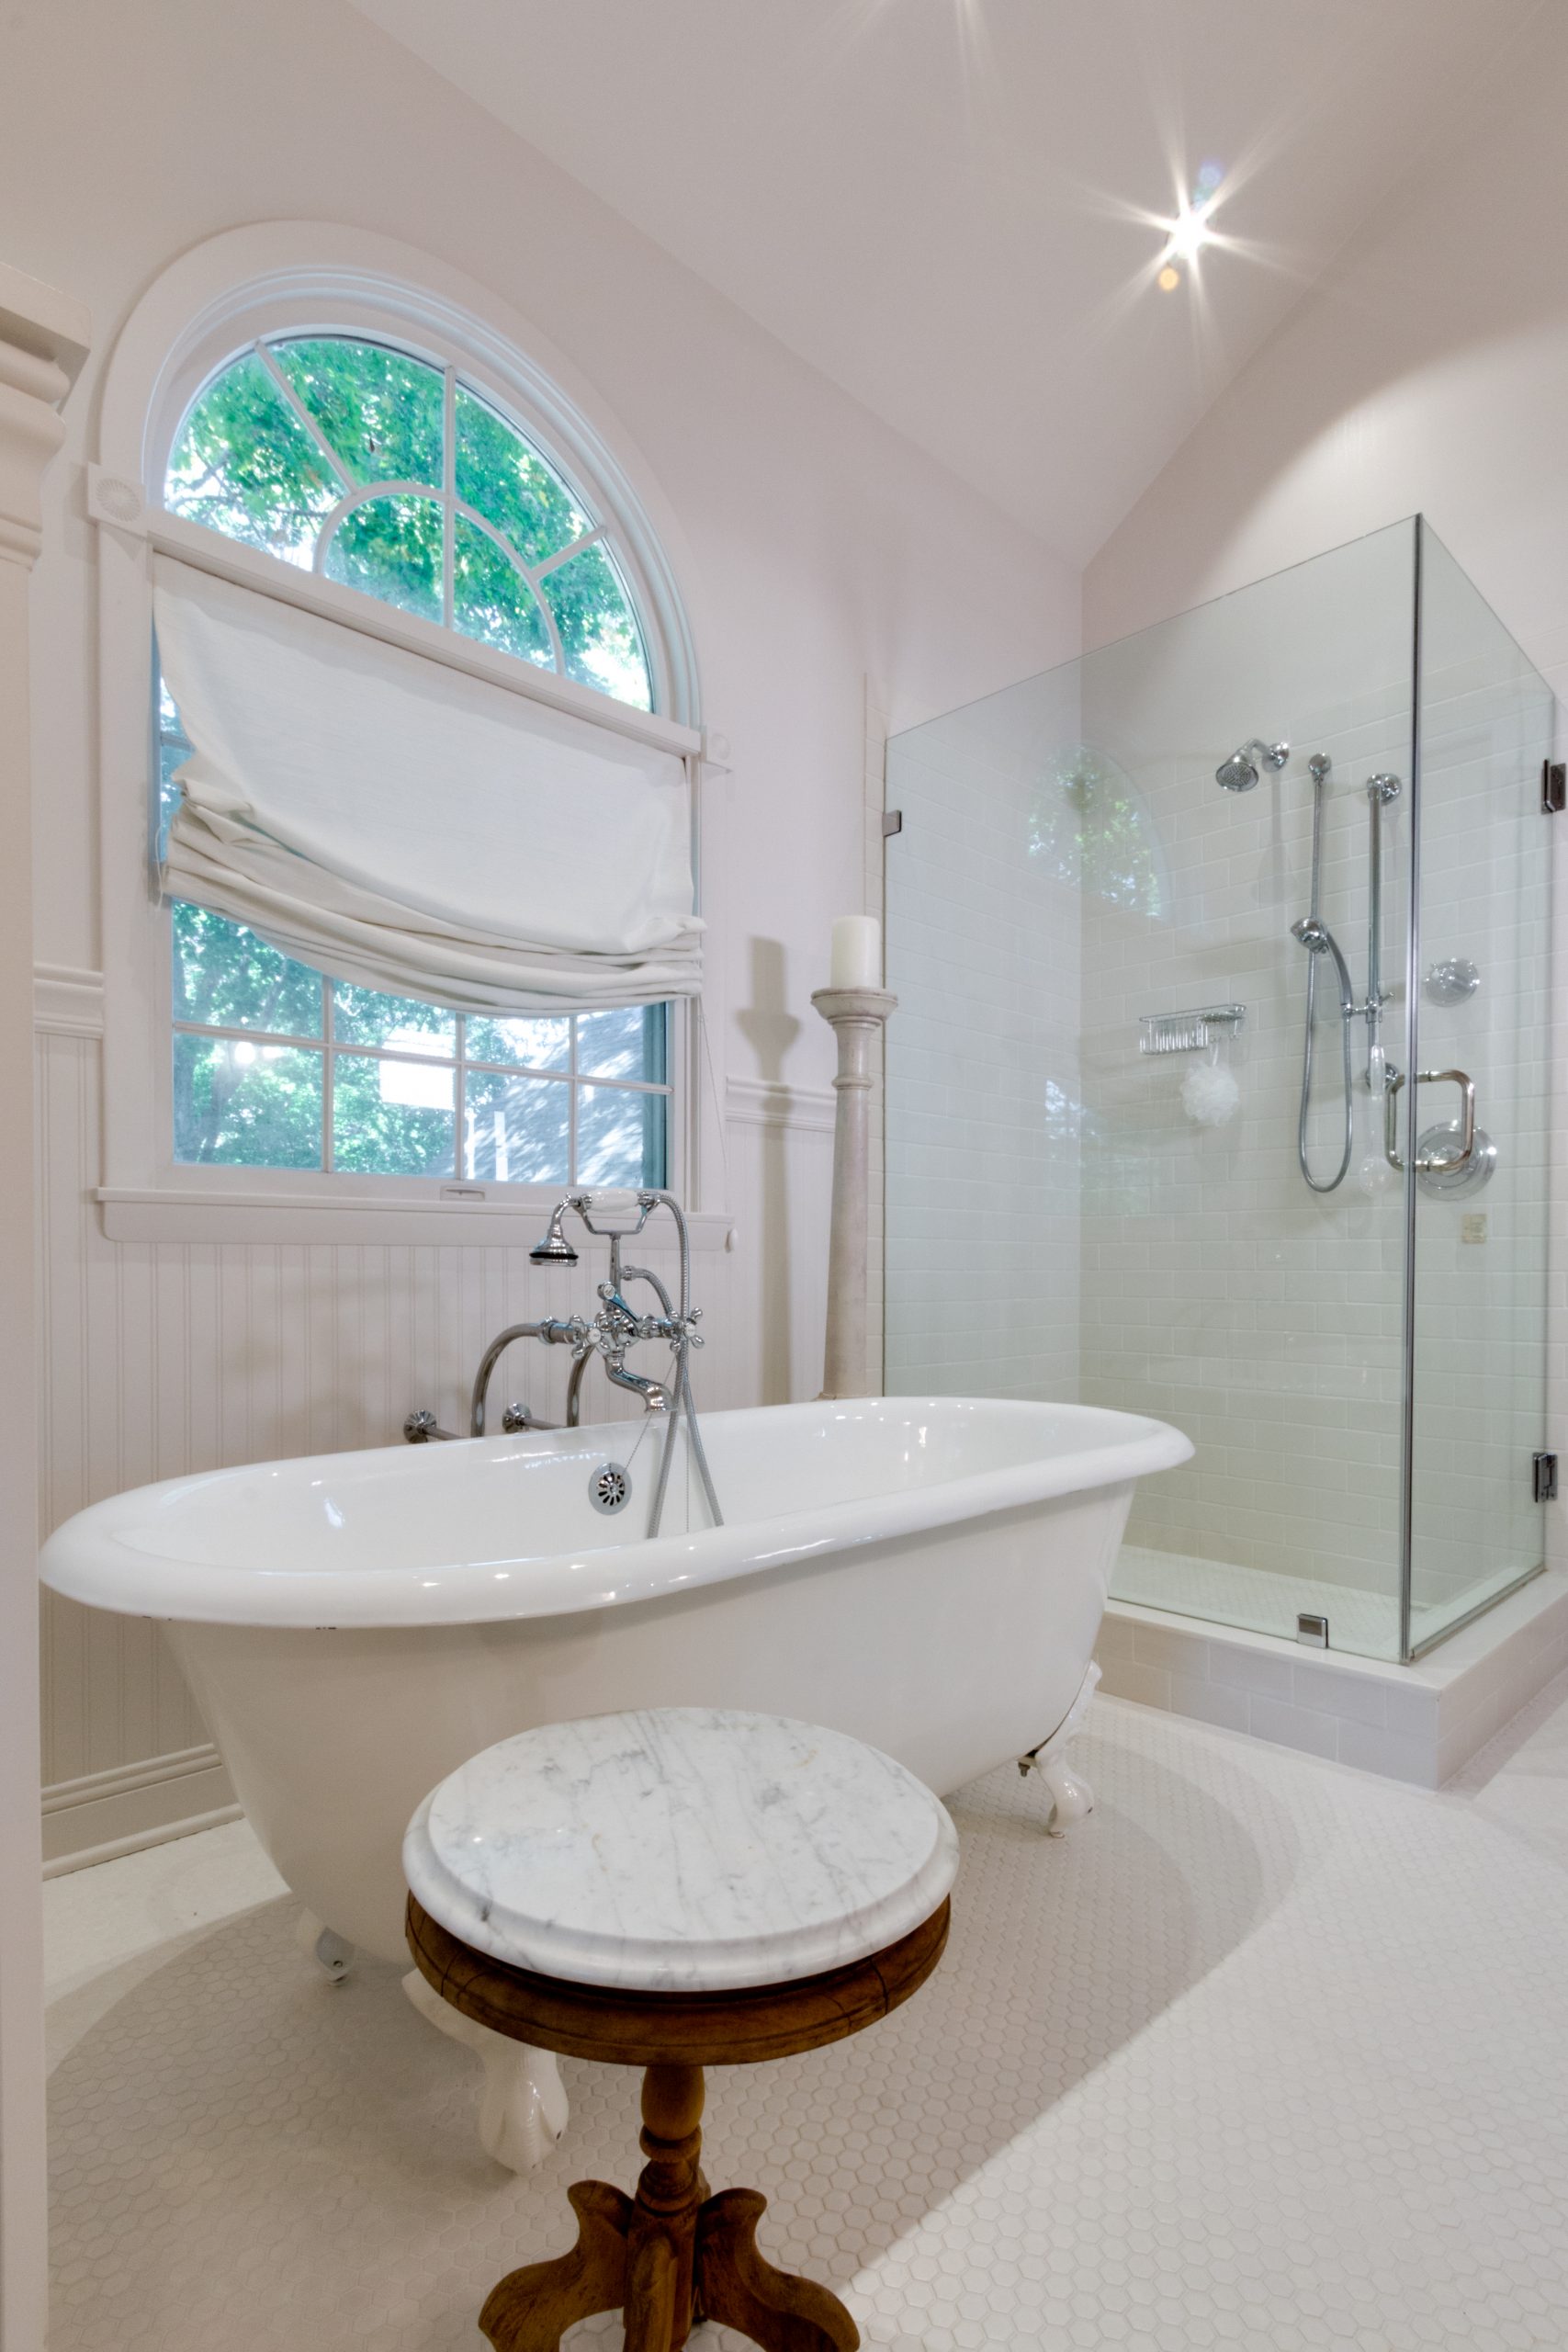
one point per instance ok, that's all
(856, 1015)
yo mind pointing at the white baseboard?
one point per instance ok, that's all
(103, 1814)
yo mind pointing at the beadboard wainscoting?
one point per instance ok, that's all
(163, 1357)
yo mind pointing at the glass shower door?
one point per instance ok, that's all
(1481, 1009)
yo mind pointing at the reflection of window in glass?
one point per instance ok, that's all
(277, 1067)
(1090, 826)
(372, 467)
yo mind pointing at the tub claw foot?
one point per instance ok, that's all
(524, 2108)
(1072, 1799)
(325, 1946)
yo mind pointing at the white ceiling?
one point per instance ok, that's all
(937, 202)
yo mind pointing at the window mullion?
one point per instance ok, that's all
(461, 1114)
(340, 466)
(329, 1073)
(564, 555)
(572, 1101)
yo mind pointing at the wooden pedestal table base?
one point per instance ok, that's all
(674, 2254)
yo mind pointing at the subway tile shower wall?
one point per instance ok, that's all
(1220, 1293)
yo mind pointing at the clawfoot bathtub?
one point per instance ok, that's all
(926, 1573)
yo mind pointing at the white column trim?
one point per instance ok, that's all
(43, 342)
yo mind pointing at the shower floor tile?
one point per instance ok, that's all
(1271, 2053)
(1227, 1594)
(1224, 1593)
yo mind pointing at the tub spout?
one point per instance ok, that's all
(654, 1394)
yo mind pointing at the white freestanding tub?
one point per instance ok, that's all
(926, 1573)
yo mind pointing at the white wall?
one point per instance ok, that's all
(818, 549)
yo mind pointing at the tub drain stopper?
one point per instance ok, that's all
(610, 1488)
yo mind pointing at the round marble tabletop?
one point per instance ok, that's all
(681, 1849)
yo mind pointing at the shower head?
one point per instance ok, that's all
(1239, 773)
(1312, 934)
(555, 1249)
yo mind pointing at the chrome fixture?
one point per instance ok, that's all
(1381, 789)
(610, 1488)
(1435, 1172)
(551, 1334)
(1312, 1630)
(612, 1330)
(1318, 940)
(1240, 772)
(1438, 1169)
(1452, 981)
(422, 1427)
(555, 1249)
(1185, 1033)
(616, 1327)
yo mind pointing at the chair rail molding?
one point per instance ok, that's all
(68, 1001)
(770, 1103)
(44, 339)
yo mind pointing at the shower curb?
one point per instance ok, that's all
(1420, 1723)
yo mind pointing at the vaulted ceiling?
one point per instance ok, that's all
(951, 208)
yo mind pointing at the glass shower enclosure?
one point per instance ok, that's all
(1219, 1084)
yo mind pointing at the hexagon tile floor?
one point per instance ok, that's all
(1271, 2055)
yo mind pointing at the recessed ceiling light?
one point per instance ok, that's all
(1190, 233)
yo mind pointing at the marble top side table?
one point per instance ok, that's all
(675, 1890)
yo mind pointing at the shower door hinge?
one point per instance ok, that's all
(1543, 1471)
(892, 821)
(1554, 786)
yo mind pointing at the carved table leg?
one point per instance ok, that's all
(670, 2257)
(738, 2286)
(531, 2308)
(669, 2192)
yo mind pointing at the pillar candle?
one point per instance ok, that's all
(857, 953)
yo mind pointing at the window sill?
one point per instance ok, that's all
(214, 1214)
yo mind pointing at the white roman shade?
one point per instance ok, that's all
(407, 826)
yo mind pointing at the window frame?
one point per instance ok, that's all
(298, 279)
(329, 1047)
(456, 376)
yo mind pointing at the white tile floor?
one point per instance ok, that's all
(1273, 2054)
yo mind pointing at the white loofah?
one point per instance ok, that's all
(1210, 1095)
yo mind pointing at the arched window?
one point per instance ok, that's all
(377, 467)
(327, 402)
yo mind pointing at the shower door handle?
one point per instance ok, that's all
(1462, 1158)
